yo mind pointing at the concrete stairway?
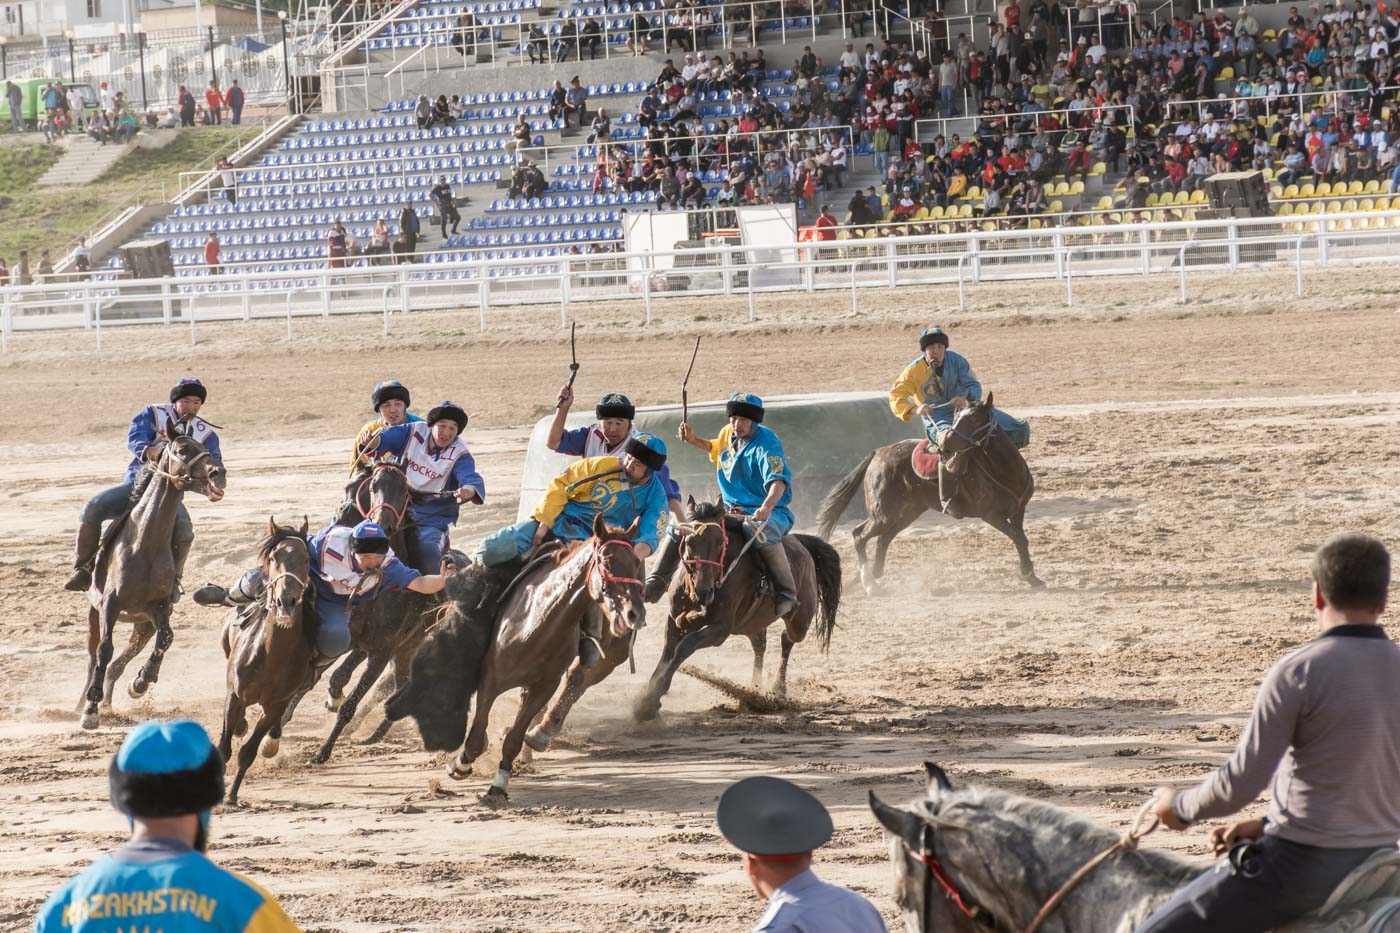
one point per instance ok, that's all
(84, 161)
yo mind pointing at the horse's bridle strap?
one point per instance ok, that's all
(603, 570)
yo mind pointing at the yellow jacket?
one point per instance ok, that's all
(359, 460)
(599, 485)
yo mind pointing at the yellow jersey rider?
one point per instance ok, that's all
(391, 400)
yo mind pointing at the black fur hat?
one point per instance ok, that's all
(188, 387)
(390, 389)
(615, 405)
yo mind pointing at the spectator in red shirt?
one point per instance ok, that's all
(826, 224)
(215, 102)
(211, 254)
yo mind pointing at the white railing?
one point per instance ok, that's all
(965, 259)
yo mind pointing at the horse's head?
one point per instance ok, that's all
(386, 496)
(703, 549)
(285, 559)
(189, 464)
(615, 577)
(972, 426)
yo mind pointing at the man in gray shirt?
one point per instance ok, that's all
(1325, 731)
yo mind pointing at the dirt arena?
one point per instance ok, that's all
(1188, 461)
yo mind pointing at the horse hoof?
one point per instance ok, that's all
(457, 770)
(89, 721)
(137, 689)
(320, 757)
(270, 747)
(646, 712)
(333, 703)
(495, 797)
(538, 740)
(1035, 582)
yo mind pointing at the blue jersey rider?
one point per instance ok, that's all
(936, 386)
(755, 482)
(441, 475)
(622, 489)
(166, 777)
(145, 441)
(348, 567)
(390, 400)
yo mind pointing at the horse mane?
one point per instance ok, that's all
(144, 475)
(568, 549)
(274, 537)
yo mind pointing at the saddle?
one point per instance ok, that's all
(1367, 900)
(924, 460)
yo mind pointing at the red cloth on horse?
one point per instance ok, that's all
(925, 459)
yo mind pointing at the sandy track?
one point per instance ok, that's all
(1188, 461)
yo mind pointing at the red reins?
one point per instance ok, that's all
(602, 568)
(370, 512)
(723, 548)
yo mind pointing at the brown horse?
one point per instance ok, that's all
(534, 642)
(994, 484)
(269, 647)
(134, 571)
(722, 595)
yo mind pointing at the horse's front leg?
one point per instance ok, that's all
(649, 704)
(340, 678)
(108, 613)
(141, 633)
(347, 710)
(150, 672)
(780, 678)
(576, 684)
(460, 768)
(532, 700)
(1012, 528)
(759, 642)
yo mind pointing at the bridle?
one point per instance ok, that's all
(372, 510)
(980, 440)
(983, 917)
(269, 597)
(596, 563)
(182, 483)
(692, 564)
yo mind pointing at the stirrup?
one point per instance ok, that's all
(80, 580)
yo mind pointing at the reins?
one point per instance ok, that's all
(688, 562)
(597, 561)
(986, 433)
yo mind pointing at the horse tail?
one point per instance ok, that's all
(826, 564)
(834, 505)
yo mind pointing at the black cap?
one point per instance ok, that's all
(770, 816)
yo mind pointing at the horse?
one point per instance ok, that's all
(721, 596)
(971, 859)
(134, 571)
(269, 647)
(994, 485)
(534, 642)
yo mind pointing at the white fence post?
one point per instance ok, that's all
(484, 293)
(1069, 277)
(166, 306)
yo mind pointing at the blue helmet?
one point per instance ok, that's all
(615, 405)
(189, 386)
(167, 769)
(648, 449)
(388, 390)
(931, 335)
(745, 405)
(369, 538)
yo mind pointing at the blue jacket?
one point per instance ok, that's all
(438, 512)
(745, 469)
(575, 443)
(143, 434)
(160, 884)
(920, 384)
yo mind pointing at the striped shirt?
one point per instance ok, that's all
(1325, 731)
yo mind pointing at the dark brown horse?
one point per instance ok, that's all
(134, 571)
(721, 596)
(994, 484)
(269, 647)
(535, 640)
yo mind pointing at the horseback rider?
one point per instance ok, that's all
(1322, 736)
(145, 440)
(605, 437)
(441, 474)
(349, 566)
(754, 482)
(166, 777)
(936, 386)
(391, 400)
(622, 488)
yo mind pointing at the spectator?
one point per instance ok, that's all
(378, 242)
(22, 275)
(465, 37)
(4, 273)
(441, 195)
(187, 106)
(233, 100)
(602, 127)
(423, 113)
(575, 102)
(537, 45)
(521, 135)
(228, 179)
(337, 245)
(592, 37)
(126, 128)
(826, 224)
(14, 97)
(45, 268)
(558, 101)
(692, 193)
(82, 256)
(214, 103)
(211, 254)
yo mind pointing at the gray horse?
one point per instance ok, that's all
(134, 576)
(971, 859)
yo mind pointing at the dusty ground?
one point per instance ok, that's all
(1188, 461)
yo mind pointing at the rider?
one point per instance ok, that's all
(348, 567)
(622, 488)
(441, 474)
(754, 481)
(166, 777)
(936, 386)
(147, 428)
(605, 437)
(390, 400)
(1322, 738)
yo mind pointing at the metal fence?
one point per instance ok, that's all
(1064, 255)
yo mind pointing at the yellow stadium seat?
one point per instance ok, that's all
(1317, 81)
(1268, 173)
(1285, 210)
(1057, 188)
(1099, 168)
(1349, 206)
(1355, 187)
(1076, 188)
(1226, 74)
(1197, 197)
(1273, 140)
(1182, 197)
(935, 213)
(1334, 207)
(1366, 205)
(1382, 204)
(1104, 203)
(1290, 192)
(1152, 200)
(973, 192)
(1034, 224)
(1269, 35)
(1276, 191)
(1307, 190)
(1057, 207)
(1323, 189)
(919, 215)
(988, 226)
(964, 210)
(1371, 187)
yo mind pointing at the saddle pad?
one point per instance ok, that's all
(925, 460)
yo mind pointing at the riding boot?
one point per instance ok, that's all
(660, 579)
(775, 559)
(89, 537)
(590, 639)
(243, 593)
(948, 491)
